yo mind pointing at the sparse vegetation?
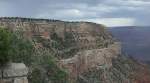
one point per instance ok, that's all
(57, 42)
(45, 65)
(56, 74)
(36, 76)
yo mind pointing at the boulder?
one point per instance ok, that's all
(15, 70)
(14, 73)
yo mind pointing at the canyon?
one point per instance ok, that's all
(87, 51)
(136, 44)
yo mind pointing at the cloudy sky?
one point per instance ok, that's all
(107, 12)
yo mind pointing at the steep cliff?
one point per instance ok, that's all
(86, 50)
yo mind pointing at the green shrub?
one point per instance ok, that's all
(36, 76)
(48, 68)
(55, 74)
(14, 47)
(5, 43)
(57, 42)
(21, 49)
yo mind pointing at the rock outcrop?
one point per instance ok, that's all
(85, 60)
(14, 73)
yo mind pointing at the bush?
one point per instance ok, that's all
(46, 68)
(5, 43)
(21, 49)
(36, 76)
(14, 47)
(55, 74)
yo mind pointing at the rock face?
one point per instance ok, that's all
(85, 60)
(14, 73)
(65, 38)
(86, 50)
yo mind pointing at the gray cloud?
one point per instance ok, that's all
(137, 10)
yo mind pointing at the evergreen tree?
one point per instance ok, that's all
(5, 43)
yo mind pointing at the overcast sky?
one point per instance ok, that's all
(107, 12)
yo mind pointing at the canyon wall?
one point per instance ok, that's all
(84, 45)
(86, 50)
(86, 60)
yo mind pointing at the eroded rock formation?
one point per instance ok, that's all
(85, 60)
